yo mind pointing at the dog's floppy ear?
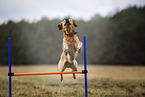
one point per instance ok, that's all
(74, 22)
(59, 26)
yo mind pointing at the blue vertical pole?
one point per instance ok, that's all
(9, 51)
(85, 66)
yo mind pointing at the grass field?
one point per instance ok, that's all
(103, 81)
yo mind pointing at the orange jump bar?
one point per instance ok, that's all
(47, 73)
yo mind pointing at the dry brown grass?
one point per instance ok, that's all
(103, 81)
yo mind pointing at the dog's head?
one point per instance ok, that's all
(68, 26)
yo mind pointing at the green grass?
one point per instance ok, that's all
(103, 81)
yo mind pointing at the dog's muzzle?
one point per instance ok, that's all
(67, 24)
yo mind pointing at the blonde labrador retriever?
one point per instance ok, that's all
(71, 46)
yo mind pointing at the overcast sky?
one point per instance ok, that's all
(35, 9)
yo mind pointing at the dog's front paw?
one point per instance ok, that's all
(79, 47)
(65, 52)
(80, 50)
(65, 49)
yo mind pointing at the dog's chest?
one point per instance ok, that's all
(71, 53)
(71, 43)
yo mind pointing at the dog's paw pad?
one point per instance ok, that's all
(80, 45)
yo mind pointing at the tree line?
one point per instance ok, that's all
(116, 39)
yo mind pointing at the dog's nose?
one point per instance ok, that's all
(67, 24)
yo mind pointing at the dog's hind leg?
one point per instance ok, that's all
(74, 67)
(61, 68)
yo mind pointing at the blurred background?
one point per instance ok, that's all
(115, 30)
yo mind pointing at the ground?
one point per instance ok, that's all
(103, 81)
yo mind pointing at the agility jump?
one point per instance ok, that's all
(85, 71)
